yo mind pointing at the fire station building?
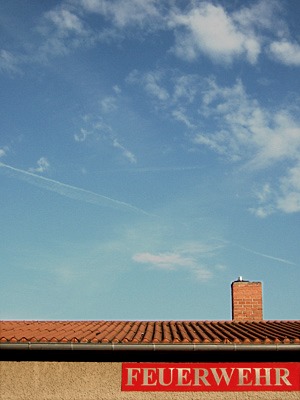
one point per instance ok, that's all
(244, 358)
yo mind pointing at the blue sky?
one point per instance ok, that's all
(149, 155)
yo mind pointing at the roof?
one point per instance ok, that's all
(150, 332)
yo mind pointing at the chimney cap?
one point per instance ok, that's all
(240, 279)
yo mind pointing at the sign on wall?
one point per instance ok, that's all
(197, 377)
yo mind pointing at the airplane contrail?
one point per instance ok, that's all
(282, 260)
(70, 191)
(267, 256)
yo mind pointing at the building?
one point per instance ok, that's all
(246, 357)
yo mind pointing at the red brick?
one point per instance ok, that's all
(246, 301)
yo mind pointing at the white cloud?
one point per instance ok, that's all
(259, 139)
(169, 90)
(62, 30)
(282, 196)
(264, 194)
(248, 131)
(233, 124)
(214, 143)
(286, 52)
(117, 89)
(108, 104)
(185, 88)
(3, 151)
(174, 262)
(124, 13)
(289, 199)
(42, 166)
(199, 27)
(8, 62)
(290, 202)
(210, 30)
(244, 130)
(151, 82)
(82, 135)
(180, 115)
(126, 153)
(261, 15)
(164, 260)
(192, 257)
(265, 197)
(97, 130)
(65, 21)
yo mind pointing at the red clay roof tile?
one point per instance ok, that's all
(139, 332)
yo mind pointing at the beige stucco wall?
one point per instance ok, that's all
(93, 381)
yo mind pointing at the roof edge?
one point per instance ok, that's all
(148, 347)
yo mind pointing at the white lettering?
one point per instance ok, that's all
(132, 376)
(161, 375)
(183, 377)
(259, 376)
(282, 375)
(213, 376)
(202, 377)
(223, 375)
(148, 379)
(244, 377)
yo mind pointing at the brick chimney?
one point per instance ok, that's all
(246, 300)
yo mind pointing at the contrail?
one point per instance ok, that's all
(70, 191)
(267, 256)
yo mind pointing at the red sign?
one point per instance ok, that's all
(197, 377)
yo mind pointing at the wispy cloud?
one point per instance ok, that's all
(126, 153)
(240, 34)
(65, 21)
(3, 151)
(248, 131)
(234, 125)
(70, 191)
(124, 13)
(169, 261)
(196, 258)
(151, 82)
(243, 129)
(96, 130)
(174, 262)
(108, 104)
(243, 34)
(260, 139)
(42, 166)
(9, 62)
(286, 52)
(282, 195)
(289, 196)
